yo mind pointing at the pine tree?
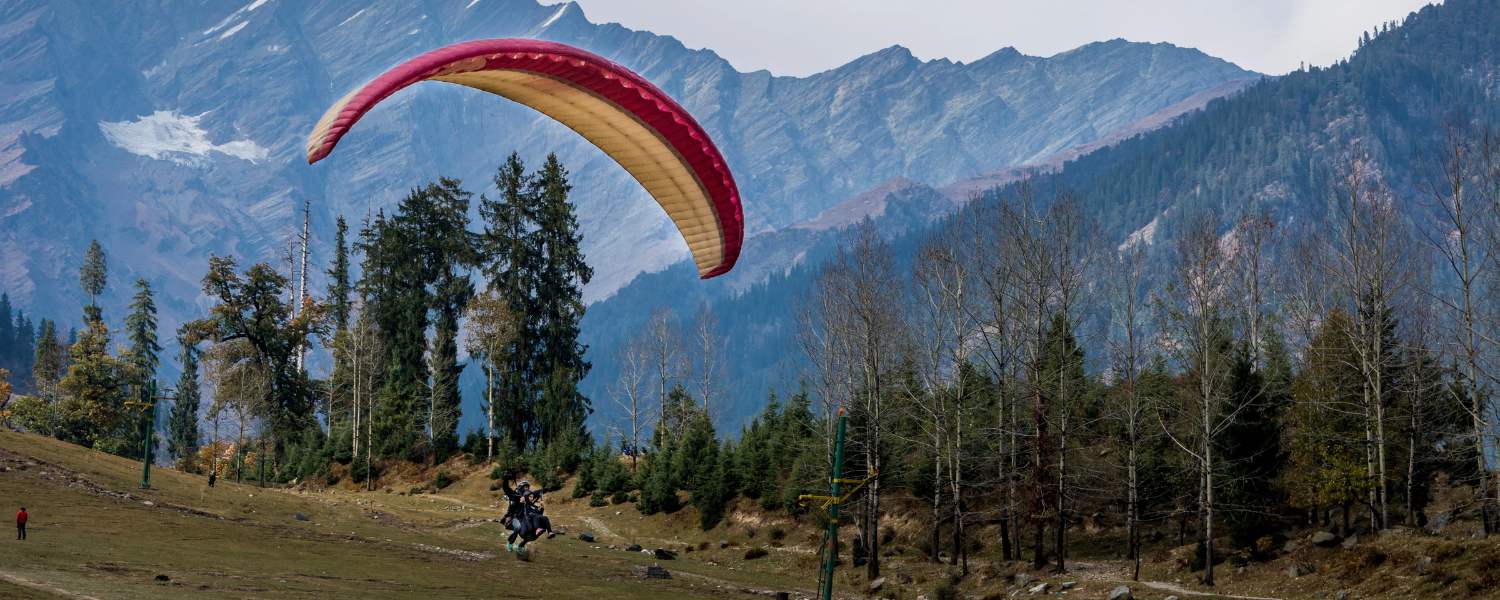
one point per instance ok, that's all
(510, 245)
(25, 342)
(93, 275)
(182, 424)
(94, 393)
(48, 364)
(713, 493)
(398, 303)
(140, 327)
(144, 357)
(338, 279)
(562, 275)
(449, 250)
(9, 348)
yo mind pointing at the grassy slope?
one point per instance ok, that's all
(237, 540)
(92, 535)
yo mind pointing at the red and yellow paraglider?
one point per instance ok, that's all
(627, 117)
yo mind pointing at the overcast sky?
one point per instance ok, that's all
(801, 37)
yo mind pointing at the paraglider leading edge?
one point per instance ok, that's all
(627, 117)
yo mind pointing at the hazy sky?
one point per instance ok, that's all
(800, 37)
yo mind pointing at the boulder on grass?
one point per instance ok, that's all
(1120, 593)
(652, 572)
(586, 537)
(664, 554)
(1325, 539)
(633, 548)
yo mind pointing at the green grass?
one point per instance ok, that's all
(235, 540)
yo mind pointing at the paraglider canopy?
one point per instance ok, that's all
(627, 117)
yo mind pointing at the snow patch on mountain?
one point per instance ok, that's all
(352, 17)
(1145, 235)
(233, 30)
(561, 10)
(167, 135)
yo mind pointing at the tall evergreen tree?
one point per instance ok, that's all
(392, 283)
(338, 279)
(25, 342)
(48, 363)
(559, 294)
(509, 244)
(182, 425)
(94, 393)
(140, 329)
(93, 275)
(9, 346)
(449, 250)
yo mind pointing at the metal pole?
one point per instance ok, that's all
(150, 427)
(833, 510)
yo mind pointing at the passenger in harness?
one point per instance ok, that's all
(524, 515)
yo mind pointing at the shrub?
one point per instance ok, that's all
(597, 499)
(756, 552)
(442, 480)
(619, 498)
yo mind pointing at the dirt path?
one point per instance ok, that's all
(1177, 589)
(43, 587)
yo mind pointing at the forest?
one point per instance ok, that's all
(1012, 381)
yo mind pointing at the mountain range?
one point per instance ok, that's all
(1273, 146)
(172, 130)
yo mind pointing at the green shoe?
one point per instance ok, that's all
(510, 548)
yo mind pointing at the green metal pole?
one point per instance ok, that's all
(149, 426)
(833, 510)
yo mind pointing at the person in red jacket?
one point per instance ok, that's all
(21, 524)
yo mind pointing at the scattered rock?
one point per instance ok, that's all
(903, 578)
(723, 544)
(1325, 539)
(1351, 542)
(877, 584)
(1024, 579)
(148, 503)
(755, 553)
(1040, 588)
(300, 517)
(586, 537)
(1290, 546)
(1067, 585)
(1170, 598)
(1424, 565)
(1440, 522)
(1294, 571)
(633, 548)
(652, 572)
(1342, 595)
(665, 554)
(163, 578)
(1121, 593)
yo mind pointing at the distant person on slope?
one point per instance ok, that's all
(21, 524)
